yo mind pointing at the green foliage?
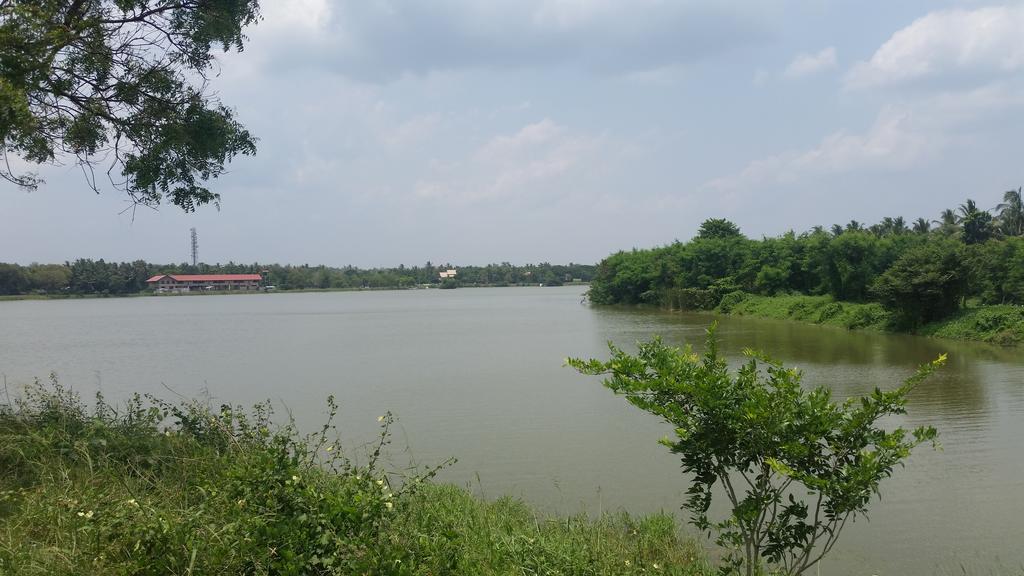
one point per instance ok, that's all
(122, 83)
(731, 300)
(13, 279)
(217, 492)
(159, 488)
(1003, 325)
(918, 273)
(813, 309)
(996, 271)
(925, 284)
(1011, 213)
(690, 298)
(975, 225)
(85, 276)
(794, 465)
(717, 228)
(448, 531)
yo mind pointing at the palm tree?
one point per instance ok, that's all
(967, 209)
(976, 224)
(922, 226)
(837, 229)
(899, 225)
(1011, 213)
(948, 223)
(854, 226)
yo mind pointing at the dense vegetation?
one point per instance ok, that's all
(913, 275)
(794, 465)
(158, 488)
(117, 278)
(122, 88)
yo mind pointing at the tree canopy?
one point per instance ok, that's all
(120, 87)
(718, 228)
(920, 272)
(794, 465)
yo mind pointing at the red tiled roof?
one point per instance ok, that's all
(208, 277)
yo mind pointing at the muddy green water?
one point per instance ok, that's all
(477, 374)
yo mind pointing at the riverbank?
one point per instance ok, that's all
(1001, 325)
(112, 490)
(148, 293)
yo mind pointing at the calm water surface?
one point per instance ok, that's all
(478, 374)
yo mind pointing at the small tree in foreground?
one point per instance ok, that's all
(794, 465)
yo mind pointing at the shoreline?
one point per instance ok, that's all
(20, 297)
(999, 325)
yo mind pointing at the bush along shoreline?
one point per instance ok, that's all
(160, 488)
(962, 279)
(1001, 325)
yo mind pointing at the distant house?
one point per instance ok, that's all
(448, 273)
(200, 282)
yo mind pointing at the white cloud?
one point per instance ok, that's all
(384, 40)
(411, 131)
(297, 16)
(984, 40)
(531, 161)
(902, 137)
(892, 142)
(501, 148)
(806, 64)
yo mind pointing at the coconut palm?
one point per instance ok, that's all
(899, 225)
(1011, 213)
(948, 223)
(967, 209)
(976, 224)
(922, 226)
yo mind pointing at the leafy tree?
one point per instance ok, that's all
(889, 226)
(48, 278)
(1011, 213)
(922, 226)
(12, 279)
(121, 85)
(995, 271)
(852, 265)
(948, 222)
(975, 224)
(718, 228)
(766, 442)
(925, 284)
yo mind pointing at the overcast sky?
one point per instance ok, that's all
(476, 131)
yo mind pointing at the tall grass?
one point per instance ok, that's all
(152, 487)
(813, 309)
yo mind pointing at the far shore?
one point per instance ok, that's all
(149, 293)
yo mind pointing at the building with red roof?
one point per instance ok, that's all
(207, 282)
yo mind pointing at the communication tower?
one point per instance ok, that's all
(195, 247)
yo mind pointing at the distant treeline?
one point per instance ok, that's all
(921, 272)
(84, 277)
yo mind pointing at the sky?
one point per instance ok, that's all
(477, 131)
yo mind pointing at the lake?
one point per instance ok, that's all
(478, 374)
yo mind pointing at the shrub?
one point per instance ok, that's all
(766, 442)
(731, 300)
(159, 488)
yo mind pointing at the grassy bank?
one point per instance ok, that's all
(814, 309)
(156, 488)
(996, 324)
(1003, 325)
